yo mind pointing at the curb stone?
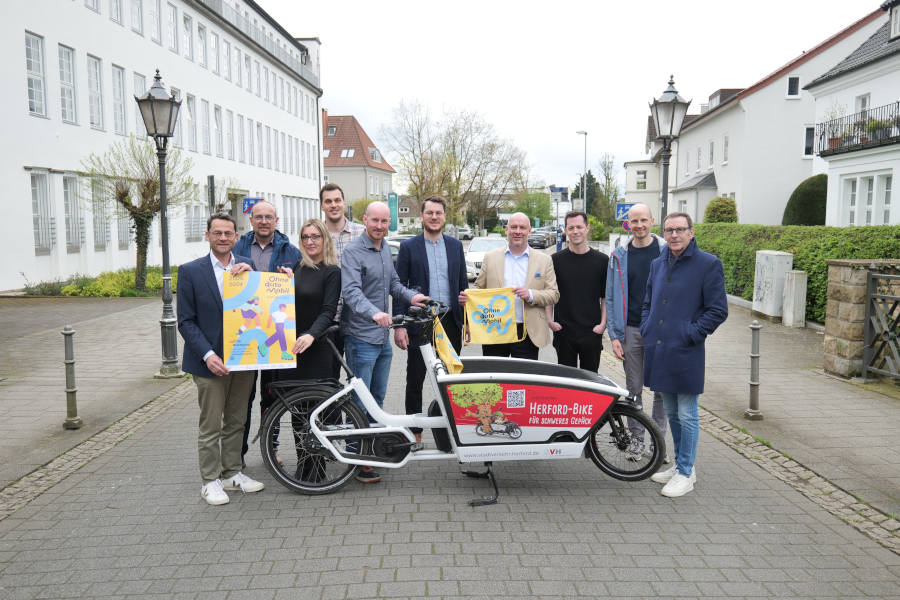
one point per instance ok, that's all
(19, 493)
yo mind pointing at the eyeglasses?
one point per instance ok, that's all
(315, 237)
(264, 217)
(674, 230)
(221, 234)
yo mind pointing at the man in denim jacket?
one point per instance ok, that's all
(626, 281)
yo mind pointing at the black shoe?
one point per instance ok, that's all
(368, 476)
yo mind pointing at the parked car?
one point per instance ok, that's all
(394, 246)
(538, 239)
(464, 233)
(475, 253)
(551, 234)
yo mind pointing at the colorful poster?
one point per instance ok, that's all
(258, 321)
(496, 413)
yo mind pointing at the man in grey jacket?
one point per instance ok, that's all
(368, 279)
(626, 283)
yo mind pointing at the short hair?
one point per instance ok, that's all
(575, 213)
(437, 200)
(328, 187)
(220, 217)
(675, 215)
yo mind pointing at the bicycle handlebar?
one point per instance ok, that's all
(419, 315)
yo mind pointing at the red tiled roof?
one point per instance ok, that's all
(349, 134)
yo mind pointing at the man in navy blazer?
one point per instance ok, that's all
(434, 264)
(221, 394)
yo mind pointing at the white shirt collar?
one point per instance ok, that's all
(526, 253)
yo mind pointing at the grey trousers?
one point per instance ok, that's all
(223, 410)
(634, 380)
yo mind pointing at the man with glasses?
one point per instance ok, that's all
(435, 264)
(221, 394)
(685, 302)
(269, 249)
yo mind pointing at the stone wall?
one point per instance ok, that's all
(845, 313)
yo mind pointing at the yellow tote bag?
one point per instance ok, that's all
(491, 316)
(445, 349)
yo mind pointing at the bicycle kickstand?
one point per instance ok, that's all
(488, 473)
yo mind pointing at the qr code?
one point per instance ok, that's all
(515, 398)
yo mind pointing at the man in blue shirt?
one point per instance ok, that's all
(435, 264)
(368, 279)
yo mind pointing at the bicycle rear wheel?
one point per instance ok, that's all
(305, 466)
(610, 440)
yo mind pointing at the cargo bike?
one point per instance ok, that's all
(496, 409)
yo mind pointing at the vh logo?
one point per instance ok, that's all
(555, 451)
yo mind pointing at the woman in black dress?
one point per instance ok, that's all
(317, 287)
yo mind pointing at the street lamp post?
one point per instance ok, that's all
(160, 112)
(584, 173)
(668, 113)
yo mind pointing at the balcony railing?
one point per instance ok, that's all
(866, 129)
(256, 34)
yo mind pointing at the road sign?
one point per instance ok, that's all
(577, 203)
(622, 209)
(248, 203)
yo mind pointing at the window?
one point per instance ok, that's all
(313, 164)
(204, 120)
(404, 209)
(156, 21)
(374, 154)
(251, 155)
(123, 227)
(886, 203)
(229, 133)
(115, 11)
(266, 78)
(137, 16)
(34, 67)
(699, 158)
(73, 213)
(187, 37)
(295, 101)
(94, 5)
(687, 159)
(724, 149)
(303, 159)
(851, 201)
(281, 92)
(67, 85)
(40, 211)
(118, 89)
(793, 87)
(326, 153)
(238, 76)
(248, 72)
(201, 45)
(240, 137)
(268, 147)
(862, 104)
(259, 145)
(214, 51)
(642, 180)
(895, 24)
(289, 157)
(808, 141)
(296, 156)
(712, 153)
(283, 166)
(275, 143)
(348, 152)
(98, 207)
(172, 28)
(386, 188)
(332, 131)
(190, 115)
(95, 91)
(140, 88)
(217, 123)
(177, 138)
(869, 182)
(256, 77)
(226, 55)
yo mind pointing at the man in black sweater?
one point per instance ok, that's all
(580, 316)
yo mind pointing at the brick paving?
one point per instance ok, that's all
(120, 516)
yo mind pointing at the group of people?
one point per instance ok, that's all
(657, 299)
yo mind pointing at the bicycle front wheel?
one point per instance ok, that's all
(306, 466)
(611, 447)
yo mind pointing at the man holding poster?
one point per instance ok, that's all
(221, 394)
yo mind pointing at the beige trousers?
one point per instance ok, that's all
(223, 410)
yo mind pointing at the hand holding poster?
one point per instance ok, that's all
(258, 321)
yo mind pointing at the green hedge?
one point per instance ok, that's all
(110, 284)
(736, 246)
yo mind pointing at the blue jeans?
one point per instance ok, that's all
(685, 425)
(372, 364)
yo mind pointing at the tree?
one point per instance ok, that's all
(128, 173)
(592, 188)
(720, 210)
(359, 208)
(806, 205)
(534, 204)
(604, 208)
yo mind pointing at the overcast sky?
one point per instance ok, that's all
(540, 71)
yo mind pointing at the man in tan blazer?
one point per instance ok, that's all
(530, 274)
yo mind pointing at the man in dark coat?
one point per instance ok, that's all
(685, 302)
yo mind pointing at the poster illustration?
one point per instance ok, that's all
(496, 413)
(258, 321)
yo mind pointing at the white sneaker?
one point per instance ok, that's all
(241, 482)
(663, 476)
(213, 493)
(679, 485)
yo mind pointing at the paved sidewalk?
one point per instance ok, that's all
(117, 352)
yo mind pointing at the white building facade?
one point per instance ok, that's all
(858, 129)
(756, 145)
(249, 117)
